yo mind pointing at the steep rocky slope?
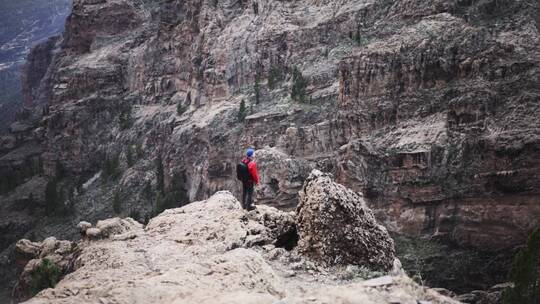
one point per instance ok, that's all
(23, 24)
(210, 252)
(427, 107)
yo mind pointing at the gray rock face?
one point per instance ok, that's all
(336, 226)
(214, 252)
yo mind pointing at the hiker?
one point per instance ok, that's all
(246, 171)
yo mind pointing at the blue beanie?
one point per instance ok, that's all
(250, 152)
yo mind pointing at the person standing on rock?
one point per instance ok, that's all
(246, 172)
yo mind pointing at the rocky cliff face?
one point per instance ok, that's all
(427, 107)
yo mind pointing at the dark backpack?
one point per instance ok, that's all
(242, 172)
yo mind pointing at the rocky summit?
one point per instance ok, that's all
(207, 252)
(428, 108)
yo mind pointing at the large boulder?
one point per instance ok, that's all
(336, 226)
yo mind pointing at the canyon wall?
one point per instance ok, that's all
(429, 108)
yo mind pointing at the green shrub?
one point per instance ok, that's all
(160, 175)
(111, 168)
(125, 119)
(257, 89)
(525, 274)
(160, 204)
(275, 75)
(300, 84)
(255, 7)
(130, 156)
(46, 275)
(117, 203)
(51, 196)
(242, 111)
(135, 214)
(180, 109)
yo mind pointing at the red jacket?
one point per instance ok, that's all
(252, 167)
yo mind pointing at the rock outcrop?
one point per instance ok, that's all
(336, 226)
(31, 255)
(214, 252)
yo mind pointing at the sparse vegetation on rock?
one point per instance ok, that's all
(111, 168)
(45, 275)
(525, 274)
(298, 91)
(242, 111)
(51, 197)
(117, 202)
(125, 118)
(275, 76)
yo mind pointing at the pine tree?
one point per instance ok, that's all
(300, 83)
(255, 7)
(160, 204)
(51, 197)
(117, 203)
(525, 274)
(257, 88)
(125, 119)
(111, 168)
(160, 174)
(129, 156)
(242, 111)
(274, 77)
(31, 203)
(180, 109)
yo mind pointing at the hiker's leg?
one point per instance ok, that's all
(244, 196)
(249, 198)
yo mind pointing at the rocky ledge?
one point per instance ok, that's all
(213, 251)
